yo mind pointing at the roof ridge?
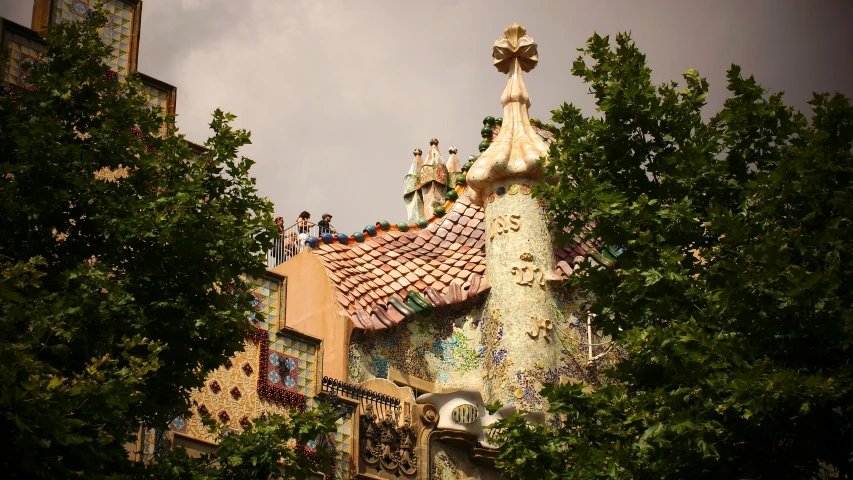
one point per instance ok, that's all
(374, 231)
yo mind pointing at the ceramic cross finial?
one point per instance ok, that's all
(514, 155)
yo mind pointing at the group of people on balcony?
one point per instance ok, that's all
(292, 240)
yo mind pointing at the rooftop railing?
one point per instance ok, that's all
(291, 242)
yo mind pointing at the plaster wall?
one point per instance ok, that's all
(312, 309)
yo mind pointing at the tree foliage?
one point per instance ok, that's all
(123, 261)
(732, 292)
(273, 447)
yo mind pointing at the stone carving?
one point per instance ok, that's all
(515, 44)
(386, 445)
(405, 456)
(523, 279)
(505, 224)
(429, 414)
(540, 324)
(446, 402)
(515, 152)
(465, 413)
(370, 445)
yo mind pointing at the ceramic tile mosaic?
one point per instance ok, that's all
(344, 445)
(21, 51)
(117, 32)
(451, 349)
(294, 363)
(266, 303)
(444, 348)
(449, 251)
(449, 463)
(157, 97)
(248, 404)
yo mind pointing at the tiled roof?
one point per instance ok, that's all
(442, 264)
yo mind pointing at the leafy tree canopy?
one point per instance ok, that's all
(123, 263)
(731, 296)
(273, 447)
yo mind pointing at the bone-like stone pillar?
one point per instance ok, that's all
(522, 350)
(521, 346)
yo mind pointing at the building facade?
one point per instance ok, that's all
(416, 326)
(410, 329)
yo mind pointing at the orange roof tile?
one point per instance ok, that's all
(436, 261)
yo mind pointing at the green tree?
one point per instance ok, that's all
(123, 261)
(731, 288)
(272, 447)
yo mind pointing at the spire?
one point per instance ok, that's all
(433, 179)
(433, 156)
(412, 179)
(516, 151)
(452, 162)
(411, 186)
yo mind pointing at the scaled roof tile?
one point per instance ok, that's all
(445, 253)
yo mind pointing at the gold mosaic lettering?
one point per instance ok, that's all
(522, 275)
(541, 276)
(539, 325)
(528, 276)
(514, 222)
(505, 224)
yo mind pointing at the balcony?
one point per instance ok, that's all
(291, 243)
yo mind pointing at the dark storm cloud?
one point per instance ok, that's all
(337, 94)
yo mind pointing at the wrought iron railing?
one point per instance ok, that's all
(291, 242)
(338, 387)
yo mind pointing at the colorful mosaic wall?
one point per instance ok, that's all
(21, 51)
(448, 463)
(444, 348)
(451, 350)
(231, 393)
(344, 446)
(292, 365)
(231, 389)
(116, 33)
(158, 97)
(267, 301)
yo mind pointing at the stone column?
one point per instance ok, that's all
(521, 346)
(522, 350)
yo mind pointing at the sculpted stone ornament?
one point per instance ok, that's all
(516, 151)
(515, 44)
(371, 448)
(385, 445)
(405, 457)
(544, 325)
(518, 232)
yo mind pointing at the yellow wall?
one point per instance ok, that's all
(311, 309)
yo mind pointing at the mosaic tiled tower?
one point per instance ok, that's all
(520, 312)
(433, 180)
(411, 188)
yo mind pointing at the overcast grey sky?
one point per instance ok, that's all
(337, 94)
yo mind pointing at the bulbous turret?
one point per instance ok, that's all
(433, 179)
(514, 155)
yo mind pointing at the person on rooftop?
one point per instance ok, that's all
(291, 246)
(276, 251)
(324, 225)
(303, 225)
